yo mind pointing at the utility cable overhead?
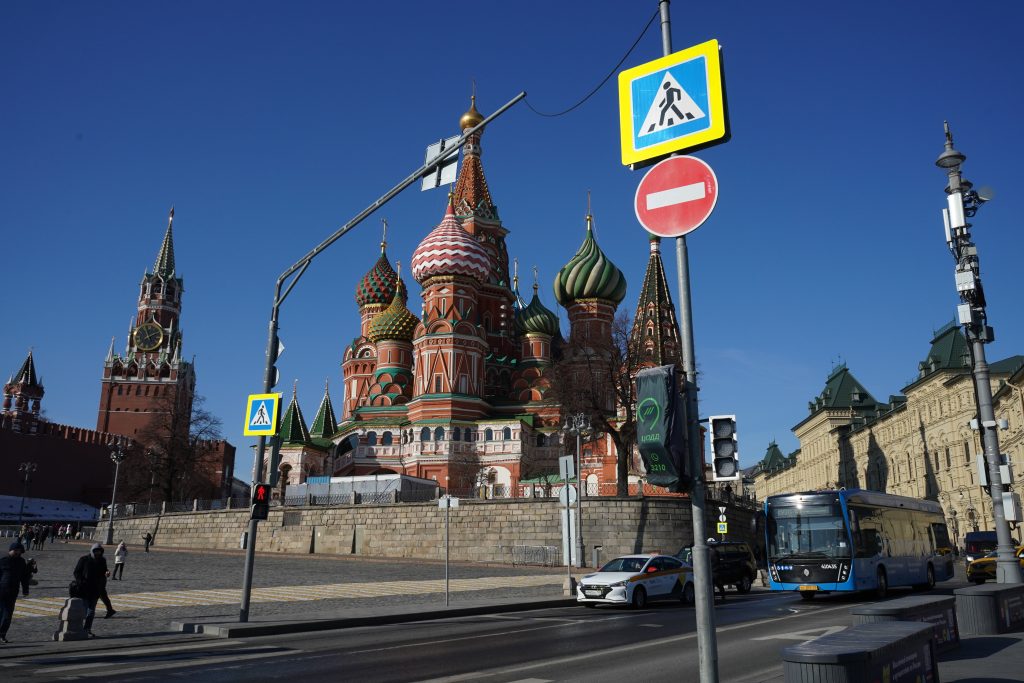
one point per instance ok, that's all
(605, 80)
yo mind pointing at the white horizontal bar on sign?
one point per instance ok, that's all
(675, 195)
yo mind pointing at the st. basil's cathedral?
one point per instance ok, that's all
(462, 389)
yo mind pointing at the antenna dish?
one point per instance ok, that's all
(986, 193)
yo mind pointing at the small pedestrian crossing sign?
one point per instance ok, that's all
(672, 104)
(261, 412)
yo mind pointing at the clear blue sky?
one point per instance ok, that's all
(269, 124)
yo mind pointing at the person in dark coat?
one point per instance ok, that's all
(14, 572)
(91, 574)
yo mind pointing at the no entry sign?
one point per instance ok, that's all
(676, 196)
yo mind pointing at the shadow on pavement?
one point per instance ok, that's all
(978, 647)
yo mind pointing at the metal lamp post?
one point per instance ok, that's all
(579, 425)
(28, 468)
(151, 454)
(962, 203)
(117, 454)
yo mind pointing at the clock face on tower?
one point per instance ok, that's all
(148, 336)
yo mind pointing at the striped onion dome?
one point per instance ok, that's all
(450, 250)
(589, 275)
(395, 321)
(536, 318)
(378, 285)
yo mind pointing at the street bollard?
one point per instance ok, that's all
(72, 621)
(597, 556)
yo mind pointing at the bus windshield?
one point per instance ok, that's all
(807, 531)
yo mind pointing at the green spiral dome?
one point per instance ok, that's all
(536, 318)
(589, 275)
(395, 321)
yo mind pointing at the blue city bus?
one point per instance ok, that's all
(854, 540)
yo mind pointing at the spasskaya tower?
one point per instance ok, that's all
(150, 379)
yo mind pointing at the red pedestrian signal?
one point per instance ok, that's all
(260, 501)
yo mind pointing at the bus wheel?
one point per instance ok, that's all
(930, 581)
(883, 585)
(807, 595)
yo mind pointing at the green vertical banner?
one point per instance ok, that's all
(661, 428)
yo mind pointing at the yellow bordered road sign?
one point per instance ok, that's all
(723, 527)
(672, 104)
(261, 411)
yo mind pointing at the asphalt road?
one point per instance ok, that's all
(564, 644)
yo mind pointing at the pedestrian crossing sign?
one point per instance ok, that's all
(261, 414)
(672, 104)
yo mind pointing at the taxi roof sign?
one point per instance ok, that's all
(261, 411)
(672, 104)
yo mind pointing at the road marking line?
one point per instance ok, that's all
(676, 195)
(121, 669)
(621, 649)
(44, 607)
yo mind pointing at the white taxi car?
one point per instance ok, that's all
(635, 579)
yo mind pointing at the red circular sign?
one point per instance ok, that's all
(676, 196)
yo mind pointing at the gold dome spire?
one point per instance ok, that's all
(472, 117)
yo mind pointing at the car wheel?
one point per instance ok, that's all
(688, 595)
(744, 585)
(807, 595)
(639, 597)
(883, 585)
(930, 581)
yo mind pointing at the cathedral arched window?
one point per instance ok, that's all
(439, 434)
(425, 434)
(371, 438)
(506, 433)
(456, 434)
(488, 434)
(386, 439)
(541, 441)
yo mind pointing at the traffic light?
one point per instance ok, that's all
(260, 501)
(725, 459)
(661, 428)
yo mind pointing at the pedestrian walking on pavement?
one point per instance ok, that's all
(91, 574)
(14, 572)
(120, 554)
(148, 538)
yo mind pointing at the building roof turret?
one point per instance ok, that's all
(164, 265)
(395, 321)
(450, 250)
(655, 335)
(324, 424)
(378, 285)
(589, 274)
(536, 318)
(293, 425)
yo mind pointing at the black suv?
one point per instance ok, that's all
(732, 564)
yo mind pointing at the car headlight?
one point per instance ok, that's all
(618, 584)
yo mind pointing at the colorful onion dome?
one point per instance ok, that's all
(536, 318)
(450, 250)
(472, 117)
(589, 275)
(395, 321)
(378, 285)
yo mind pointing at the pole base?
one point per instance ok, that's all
(569, 587)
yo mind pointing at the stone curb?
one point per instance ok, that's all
(240, 630)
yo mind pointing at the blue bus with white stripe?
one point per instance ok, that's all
(854, 540)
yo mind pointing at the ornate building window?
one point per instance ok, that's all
(506, 434)
(488, 434)
(425, 434)
(439, 434)
(456, 434)
(371, 438)
(386, 439)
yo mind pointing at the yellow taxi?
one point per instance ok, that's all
(634, 579)
(984, 568)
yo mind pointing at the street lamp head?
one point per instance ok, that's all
(950, 157)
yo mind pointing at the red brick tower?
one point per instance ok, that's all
(151, 377)
(22, 395)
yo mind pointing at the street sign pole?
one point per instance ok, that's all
(294, 273)
(707, 645)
